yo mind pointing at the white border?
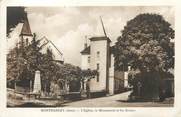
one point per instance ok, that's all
(139, 111)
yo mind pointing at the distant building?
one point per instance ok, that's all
(48, 44)
(98, 56)
(26, 37)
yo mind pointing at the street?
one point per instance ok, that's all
(118, 100)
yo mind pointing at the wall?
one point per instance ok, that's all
(84, 62)
(100, 46)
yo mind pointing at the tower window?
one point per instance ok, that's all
(98, 77)
(97, 66)
(98, 72)
(89, 59)
(98, 54)
(26, 41)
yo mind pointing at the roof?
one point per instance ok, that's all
(100, 38)
(47, 44)
(26, 28)
(86, 50)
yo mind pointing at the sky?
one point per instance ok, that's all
(69, 27)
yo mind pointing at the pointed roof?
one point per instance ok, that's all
(26, 28)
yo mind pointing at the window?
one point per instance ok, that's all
(98, 77)
(98, 72)
(97, 66)
(26, 41)
(89, 59)
(98, 54)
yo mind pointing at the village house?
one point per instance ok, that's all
(99, 56)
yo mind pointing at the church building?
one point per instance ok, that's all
(26, 37)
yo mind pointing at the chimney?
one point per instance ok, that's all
(85, 44)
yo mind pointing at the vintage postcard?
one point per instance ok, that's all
(90, 58)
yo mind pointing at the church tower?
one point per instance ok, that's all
(26, 35)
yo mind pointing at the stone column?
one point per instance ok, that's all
(37, 83)
(30, 85)
(126, 77)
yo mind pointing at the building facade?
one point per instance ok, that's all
(98, 56)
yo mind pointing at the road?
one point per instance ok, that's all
(118, 100)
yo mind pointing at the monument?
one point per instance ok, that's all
(37, 83)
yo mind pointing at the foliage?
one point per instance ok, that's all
(23, 61)
(145, 44)
(88, 74)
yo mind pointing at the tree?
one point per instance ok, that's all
(73, 75)
(145, 45)
(15, 66)
(23, 61)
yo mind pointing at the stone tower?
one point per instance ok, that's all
(100, 61)
(26, 35)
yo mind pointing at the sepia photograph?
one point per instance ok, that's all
(90, 56)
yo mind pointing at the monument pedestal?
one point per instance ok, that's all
(37, 83)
